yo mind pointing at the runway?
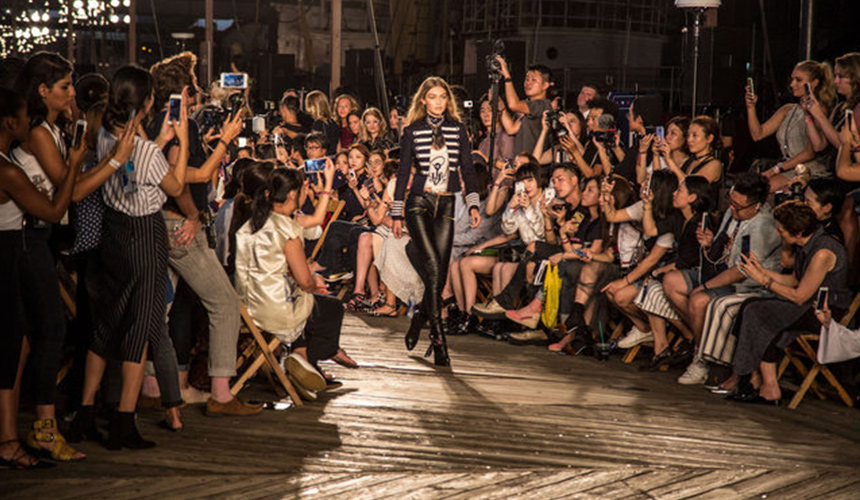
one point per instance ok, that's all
(504, 422)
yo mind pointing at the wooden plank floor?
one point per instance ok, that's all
(505, 422)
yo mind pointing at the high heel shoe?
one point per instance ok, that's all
(414, 331)
(438, 347)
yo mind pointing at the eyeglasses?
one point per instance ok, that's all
(312, 146)
(735, 205)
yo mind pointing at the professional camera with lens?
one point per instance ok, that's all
(607, 137)
(555, 125)
(493, 66)
(795, 192)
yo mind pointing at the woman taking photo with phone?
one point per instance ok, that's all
(789, 123)
(437, 144)
(767, 325)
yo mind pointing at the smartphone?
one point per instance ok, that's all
(352, 175)
(808, 89)
(580, 253)
(80, 130)
(821, 299)
(174, 108)
(234, 80)
(849, 118)
(243, 142)
(131, 115)
(509, 164)
(317, 165)
(549, 194)
(660, 132)
(236, 101)
(258, 124)
(648, 186)
(745, 245)
(520, 187)
(704, 221)
(751, 85)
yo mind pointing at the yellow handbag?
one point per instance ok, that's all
(551, 290)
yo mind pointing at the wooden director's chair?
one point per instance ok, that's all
(802, 349)
(260, 351)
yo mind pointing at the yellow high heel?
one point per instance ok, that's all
(60, 451)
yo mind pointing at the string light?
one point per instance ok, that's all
(25, 26)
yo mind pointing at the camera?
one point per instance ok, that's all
(795, 192)
(212, 118)
(493, 66)
(554, 118)
(605, 136)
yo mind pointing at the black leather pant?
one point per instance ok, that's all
(430, 221)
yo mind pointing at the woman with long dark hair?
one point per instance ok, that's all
(437, 144)
(45, 83)
(277, 286)
(133, 253)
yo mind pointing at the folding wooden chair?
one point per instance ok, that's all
(335, 207)
(801, 349)
(264, 356)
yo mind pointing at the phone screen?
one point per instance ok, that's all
(243, 142)
(745, 245)
(821, 300)
(660, 132)
(174, 108)
(849, 118)
(520, 187)
(751, 85)
(807, 89)
(704, 221)
(316, 165)
(234, 80)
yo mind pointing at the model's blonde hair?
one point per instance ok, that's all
(364, 135)
(316, 103)
(417, 111)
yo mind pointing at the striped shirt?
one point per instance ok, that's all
(150, 167)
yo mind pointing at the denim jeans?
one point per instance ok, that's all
(199, 267)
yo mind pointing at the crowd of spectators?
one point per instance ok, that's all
(172, 198)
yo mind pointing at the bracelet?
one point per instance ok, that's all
(325, 193)
(507, 80)
(115, 164)
(705, 286)
(627, 279)
(221, 141)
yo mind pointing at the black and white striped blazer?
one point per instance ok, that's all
(415, 146)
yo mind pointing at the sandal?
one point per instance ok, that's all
(60, 451)
(393, 314)
(343, 359)
(358, 303)
(21, 460)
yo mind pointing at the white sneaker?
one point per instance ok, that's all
(696, 373)
(635, 337)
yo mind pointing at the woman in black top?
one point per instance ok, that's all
(436, 142)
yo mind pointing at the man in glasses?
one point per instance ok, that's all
(693, 291)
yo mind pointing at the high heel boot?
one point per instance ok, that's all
(123, 433)
(438, 346)
(414, 331)
(83, 427)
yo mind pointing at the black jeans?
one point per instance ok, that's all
(430, 221)
(11, 306)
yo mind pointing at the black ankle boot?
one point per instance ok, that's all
(83, 427)
(414, 331)
(123, 433)
(439, 347)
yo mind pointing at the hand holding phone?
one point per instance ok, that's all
(745, 245)
(174, 108)
(80, 130)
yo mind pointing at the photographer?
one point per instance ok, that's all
(536, 85)
(599, 155)
(290, 125)
(561, 130)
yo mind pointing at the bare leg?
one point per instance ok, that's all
(132, 379)
(9, 417)
(683, 328)
(623, 299)
(373, 281)
(698, 307)
(658, 328)
(675, 290)
(769, 386)
(506, 272)
(93, 374)
(363, 258)
(470, 268)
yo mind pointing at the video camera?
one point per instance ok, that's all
(606, 131)
(493, 66)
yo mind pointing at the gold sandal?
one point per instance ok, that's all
(60, 451)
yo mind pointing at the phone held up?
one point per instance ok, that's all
(821, 299)
(80, 130)
(745, 245)
(174, 108)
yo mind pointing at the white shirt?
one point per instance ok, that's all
(437, 177)
(11, 216)
(150, 167)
